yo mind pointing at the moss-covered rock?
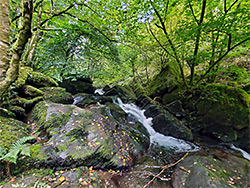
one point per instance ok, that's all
(6, 113)
(124, 92)
(221, 105)
(222, 111)
(11, 130)
(24, 73)
(19, 112)
(76, 136)
(206, 171)
(40, 80)
(25, 103)
(57, 95)
(32, 91)
(78, 86)
(164, 82)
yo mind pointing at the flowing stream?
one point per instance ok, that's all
(169, 142)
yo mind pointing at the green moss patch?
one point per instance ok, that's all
(41, 80)
(32, 91)
(24, 73)
(11, 130)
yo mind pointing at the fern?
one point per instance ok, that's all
(19, 147)
(2, 151)
(41, 185)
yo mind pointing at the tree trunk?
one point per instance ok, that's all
(4, 38)
(18, 47)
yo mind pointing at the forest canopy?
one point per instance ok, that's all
(111, 41)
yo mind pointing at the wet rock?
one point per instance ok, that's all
(166, 124)
(78, 86)
(74, 137)
(163, 121)
(84, 99)
(124, 92)
(207, 171)
(176, 109)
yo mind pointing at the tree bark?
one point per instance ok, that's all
(18, 47)
(4, 38)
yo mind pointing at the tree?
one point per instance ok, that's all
(18, 47)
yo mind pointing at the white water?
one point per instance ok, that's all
(244, 153)
(178, 145)
(78, 99)
(99, 91)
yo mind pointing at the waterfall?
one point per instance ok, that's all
(169, 142)
(244, 153)
(99, 91)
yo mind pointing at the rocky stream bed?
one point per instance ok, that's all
(95, 139)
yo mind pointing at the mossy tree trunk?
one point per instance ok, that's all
(4, 38)
(18, 47)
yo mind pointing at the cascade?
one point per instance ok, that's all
(99, 91)
(169, 142)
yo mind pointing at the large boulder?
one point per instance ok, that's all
(78, 86)
(84, 99)
(218, 170)
(163, 121)
(57, 95)
(73, 137)
(166, 81)
(223, 111)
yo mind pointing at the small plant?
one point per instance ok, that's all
(19, 185)
(18, 149)
(41, 185)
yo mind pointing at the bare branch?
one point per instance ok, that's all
(164, 168)
(159, 41)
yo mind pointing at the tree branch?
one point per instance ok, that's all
(197, 41)
(164, 168)
(85, 21)
(192, 10)
(218, 60)
(231, 6)
(170, 42)
(57, 14)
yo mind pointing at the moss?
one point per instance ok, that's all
(23, 75)
(36, 152)
(19, 111)
(6, 113)
(26, 103)
(224, 106)
(32, 91)
(39, 79)
(11, 130)
(57, 95)
(164, 82)
(57, 121)
(39, 114)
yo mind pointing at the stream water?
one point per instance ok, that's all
(169, 142)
